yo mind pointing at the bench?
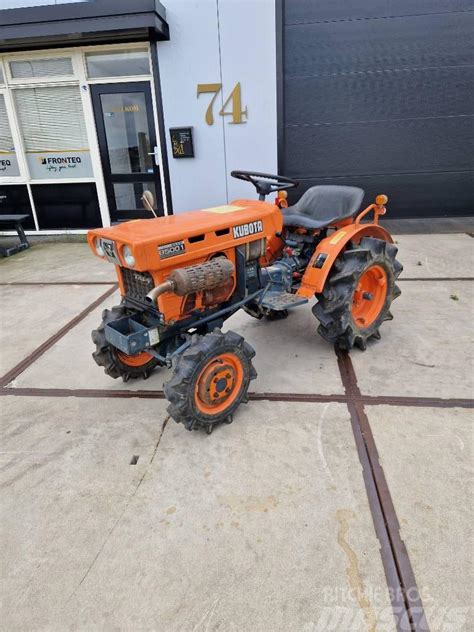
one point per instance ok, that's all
(7, 221)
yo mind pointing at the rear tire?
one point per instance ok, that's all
(358, 294)
(117, 364)
(210, 380)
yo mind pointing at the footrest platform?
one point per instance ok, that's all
(282, 300)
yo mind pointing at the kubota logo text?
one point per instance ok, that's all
(244, 230)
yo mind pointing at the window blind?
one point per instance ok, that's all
(51, 118)
(6, 140)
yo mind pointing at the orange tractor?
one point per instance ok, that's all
(182, 276)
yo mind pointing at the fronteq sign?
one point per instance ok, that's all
(8, 165)
(60, 160)
(60, 165)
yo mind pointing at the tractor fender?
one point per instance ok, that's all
(328, 251)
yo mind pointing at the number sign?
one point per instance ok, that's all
(232, 105)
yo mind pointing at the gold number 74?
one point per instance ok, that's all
(235, 96)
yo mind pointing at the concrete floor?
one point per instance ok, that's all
(55, 262)
(41, 310)
(264, 525)
(427, 343)
(435, 511)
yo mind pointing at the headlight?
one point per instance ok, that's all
(98, 247)
(128, 257)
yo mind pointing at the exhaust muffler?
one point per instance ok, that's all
(203, 276)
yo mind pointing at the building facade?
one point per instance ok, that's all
(145, 99)
(101, 100)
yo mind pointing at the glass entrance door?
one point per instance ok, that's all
(128, 148)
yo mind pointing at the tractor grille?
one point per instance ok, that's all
(137, 284)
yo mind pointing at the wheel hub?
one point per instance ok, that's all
(216, 383)
(369, 296)
(134, 360)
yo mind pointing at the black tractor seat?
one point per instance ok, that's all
(322, 205)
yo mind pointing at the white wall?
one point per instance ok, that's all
(191, 57)
(248, 54)
(219, 41)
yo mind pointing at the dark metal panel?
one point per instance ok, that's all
(387, 95)
(396, 43)
(81, 23)
(410, 195)
(75, 39)
(82, 26)
(79, 10)
(373, 147)
(304, 11)
(378, 94)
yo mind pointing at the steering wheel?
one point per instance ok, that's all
(265, 183)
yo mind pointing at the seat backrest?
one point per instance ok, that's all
(329, 200)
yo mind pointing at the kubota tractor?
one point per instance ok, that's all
(182, 276)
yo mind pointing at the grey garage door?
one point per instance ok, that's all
(379, 94)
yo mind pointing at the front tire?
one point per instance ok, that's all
(117, 364)
(358, 294)
(210, 380)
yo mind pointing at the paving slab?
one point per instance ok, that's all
(291, 357)
(430, 476)
(65, 479)
(264, 525)
(431, 256)
(30, 315)
(426, 351)
(55, 262)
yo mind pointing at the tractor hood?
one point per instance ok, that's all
(177, 239)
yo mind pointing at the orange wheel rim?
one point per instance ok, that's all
(219, 384)
(369, 296)
(134, 360)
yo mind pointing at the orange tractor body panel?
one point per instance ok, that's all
(314, 278)
(200, 234)
(144, 236)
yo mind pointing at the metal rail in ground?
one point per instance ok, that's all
(404, 594)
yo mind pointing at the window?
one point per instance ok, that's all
(54, 133)
(127, 132)
(118, 63)
(128, 195)
(66, 206)
(14, 199)
(2, 80)
(8, 160)
(31, 68)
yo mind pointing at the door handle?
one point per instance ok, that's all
(155, 153)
